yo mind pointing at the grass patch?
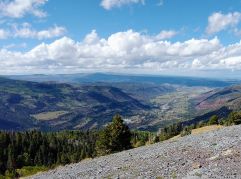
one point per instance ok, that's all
(200, 131)
(31, 170)
(45, 116)
(206, 129)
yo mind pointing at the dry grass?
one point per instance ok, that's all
(45, 116)
(206, 129)
(201, 130)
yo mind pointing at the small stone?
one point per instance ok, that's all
(196, 165)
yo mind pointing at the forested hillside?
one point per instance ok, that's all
(34, 148)
(52, 106)
(27, 152)
(31, 151)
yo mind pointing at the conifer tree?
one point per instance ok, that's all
(114, 137)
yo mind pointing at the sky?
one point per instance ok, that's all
(171, 37)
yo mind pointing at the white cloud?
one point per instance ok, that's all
(13, 45)
(123, 51)
(196, 63)
(55, 31)
(20, 8)
(218, 21)
(3, 34)
(166, 34)
(91, 37)
(237, 32)
(109, 4)
(128, 50)
(26, 31)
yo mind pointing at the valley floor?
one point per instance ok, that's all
(213, 154)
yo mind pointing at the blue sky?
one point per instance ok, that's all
(174, 37)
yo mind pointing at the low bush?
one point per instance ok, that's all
(186, 131)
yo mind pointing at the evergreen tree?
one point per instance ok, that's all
(213, 120)
(234, 118)
(103, 143)
(115, 137)
(34, 148)
(120, 134)
(10, 162)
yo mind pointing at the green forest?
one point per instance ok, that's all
(25, 153)
(34, 150)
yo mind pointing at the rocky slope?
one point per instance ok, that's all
(213, 154)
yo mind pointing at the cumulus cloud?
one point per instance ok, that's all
(218, 21)
(20, 8)
(91, 37)
(26, 31)
(166, 34)
(109, 4)
(128, 50)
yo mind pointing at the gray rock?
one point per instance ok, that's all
(214, 154)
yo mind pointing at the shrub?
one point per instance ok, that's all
(31, 170)
(234, 118)
(170, 131)
(186, 131)
(201, 124)
(213, 120)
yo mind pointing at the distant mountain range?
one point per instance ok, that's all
(81, 101)
(114, 78)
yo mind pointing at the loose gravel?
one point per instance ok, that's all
(215, 154)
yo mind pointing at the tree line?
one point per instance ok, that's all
(172, 130)
(35, 148)
(41, 149)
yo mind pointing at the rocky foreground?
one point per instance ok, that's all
(215, 154)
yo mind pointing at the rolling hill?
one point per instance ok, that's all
(229, 97)
(25, 105)
(144, 105)
(218, 102)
